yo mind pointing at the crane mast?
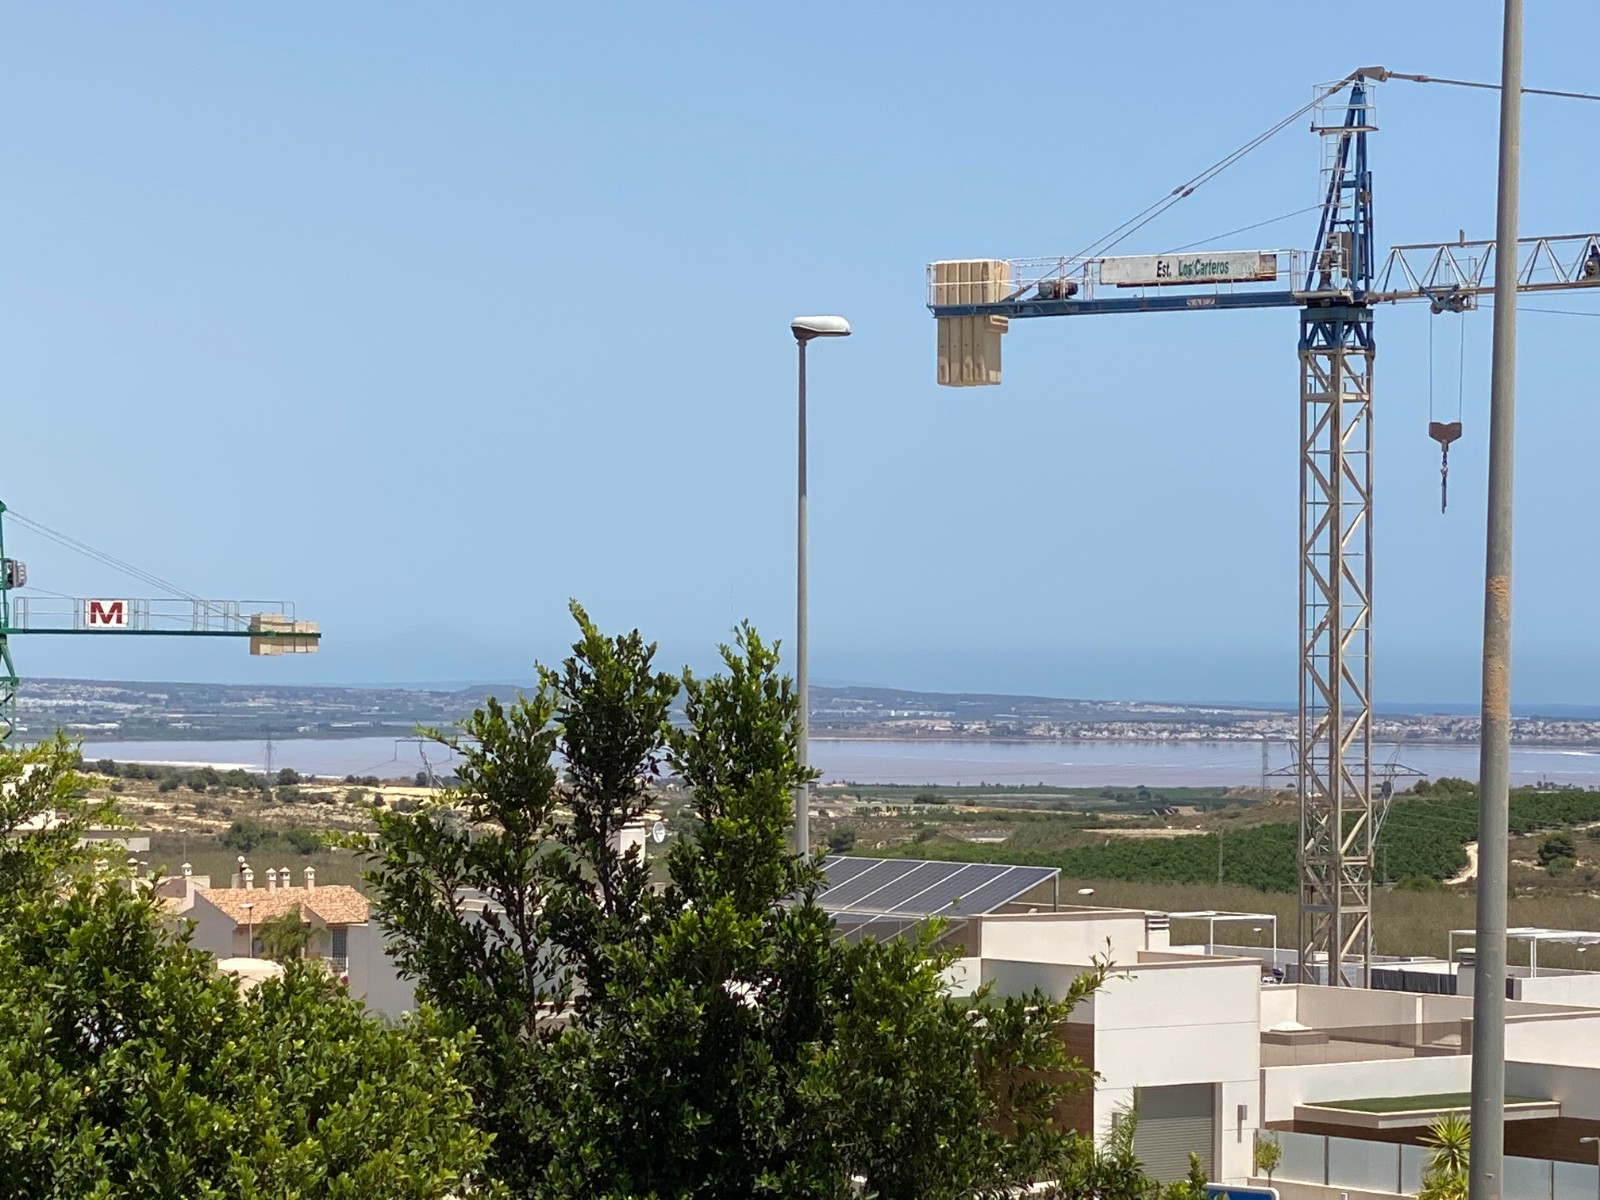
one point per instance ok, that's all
(1334, 720)
(1335, 286)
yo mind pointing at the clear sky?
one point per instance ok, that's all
(431, 316)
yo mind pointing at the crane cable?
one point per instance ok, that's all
(1139, 220)
(1217, 237)
(1133, 224)
(1381, 74)
(100, 556)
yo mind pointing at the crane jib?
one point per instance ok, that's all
(1164, 301)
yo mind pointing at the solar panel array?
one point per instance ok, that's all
(907, 887)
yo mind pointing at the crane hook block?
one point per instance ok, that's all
(1444, 432)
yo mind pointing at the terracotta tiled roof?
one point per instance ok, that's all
(334, 903)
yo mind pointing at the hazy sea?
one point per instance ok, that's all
(1076, 764)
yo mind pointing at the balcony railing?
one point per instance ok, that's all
(1354, 1164)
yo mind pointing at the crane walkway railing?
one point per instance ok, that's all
(270, 625)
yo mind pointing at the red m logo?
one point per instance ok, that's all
(105, 613)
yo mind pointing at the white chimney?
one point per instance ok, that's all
(249, 878)
(238, 873)
(311, 879)
(272, 880)
(187, 870)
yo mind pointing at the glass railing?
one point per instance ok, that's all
(1386, 1167)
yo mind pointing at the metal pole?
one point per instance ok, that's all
(802, 806)
(1486, 1177)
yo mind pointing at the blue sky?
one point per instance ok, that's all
(429, 317)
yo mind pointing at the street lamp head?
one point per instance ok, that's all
(806, 328)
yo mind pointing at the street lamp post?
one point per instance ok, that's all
(804, 329)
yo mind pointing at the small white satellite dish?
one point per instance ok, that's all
(658, 832)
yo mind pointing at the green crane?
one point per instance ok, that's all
(270, 625)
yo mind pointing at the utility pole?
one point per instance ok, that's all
(1486, 1177)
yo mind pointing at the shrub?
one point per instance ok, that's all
(1557, 846)
(169, 784)
(842, 841)
(245, 835)
(1268, 1154)
(1420, 883)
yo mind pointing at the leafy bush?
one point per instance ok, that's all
(245, 835)
(842, 841)
(1555, 847)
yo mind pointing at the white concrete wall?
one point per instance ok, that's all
(1015, 978)
(214, 930)
(373, 976)
(1185, 1022)
(1284, 1087)
(1581, 989)
(1577, 1088)
(1572, 1039)
(1344, 1008)
(1073, 937)
(962, 977)
(1279, 1005)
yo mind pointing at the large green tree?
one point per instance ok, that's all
(711, 1035)
(129, 1067)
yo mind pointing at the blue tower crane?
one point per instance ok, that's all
(1336, 286)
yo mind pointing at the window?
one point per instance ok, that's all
(339, 950)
